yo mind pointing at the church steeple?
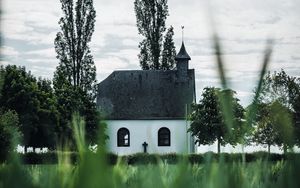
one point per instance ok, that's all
(182, 54)
(182, 62)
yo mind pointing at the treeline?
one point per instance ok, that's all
(34, 104)
(34, 111)
(275, 121)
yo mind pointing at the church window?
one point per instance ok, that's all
(164, 137)
(123, 137)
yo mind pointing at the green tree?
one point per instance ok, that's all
(35, 104)
(75, 77)
(208, 123)
(48, 115)
(169, 52)
(2, 73)
(274, 126)
(9, 133)
(19, 93)
(283, 90)
(264, 132)
(151, 16)
(279, 87)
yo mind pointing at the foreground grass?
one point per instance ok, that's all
(95, 172)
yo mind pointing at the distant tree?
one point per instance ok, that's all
(19, 93)
(283, 90)
(264, 132)
(35, 104)
(75, 77)
(9, 133)
(296, 107)
(48, 115)
(208, 123)
(9, 126)
(151, 16)
(274, 125)
(279, 87)
(169, 51)
(2, 73)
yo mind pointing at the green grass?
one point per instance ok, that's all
(212, 174)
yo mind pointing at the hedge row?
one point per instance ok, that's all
(142, 158)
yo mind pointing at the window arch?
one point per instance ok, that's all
(164, 137)
(123, 137)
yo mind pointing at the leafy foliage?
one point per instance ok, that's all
(277, 121)
(169, 51)
(9, 133)
(75, 77)
(34, 102)
(208, 124)
(48, 114)
(150, 17)
(280, 87)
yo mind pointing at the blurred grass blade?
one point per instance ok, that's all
(78, 124)
(218, 53)
(266, 60)
(225, 96)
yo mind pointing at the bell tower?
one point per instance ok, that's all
(182, 60)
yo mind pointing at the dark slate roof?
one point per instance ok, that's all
(146, 94)
(182, 54)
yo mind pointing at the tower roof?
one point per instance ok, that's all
(182, 54)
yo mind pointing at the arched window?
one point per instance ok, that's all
(164, 137)
(123, 137)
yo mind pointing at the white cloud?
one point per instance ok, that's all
(47, 53)
(8, 51)
(4, 63)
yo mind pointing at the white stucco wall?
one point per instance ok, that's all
(147, 131)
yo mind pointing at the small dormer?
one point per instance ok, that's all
(182, 62)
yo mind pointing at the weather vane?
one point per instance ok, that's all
(182, 28)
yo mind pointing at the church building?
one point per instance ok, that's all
(146, 110)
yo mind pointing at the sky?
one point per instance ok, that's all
(28, 29)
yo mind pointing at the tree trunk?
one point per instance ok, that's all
(269, 148)
(284, 148)
(219, 146)
(25, 149)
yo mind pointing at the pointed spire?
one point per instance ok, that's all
(182, 34)
(182, 54)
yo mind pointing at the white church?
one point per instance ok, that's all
(146, 110)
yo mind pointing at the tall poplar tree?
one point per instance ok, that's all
(151, 17)
(75, 76)
(169, 51)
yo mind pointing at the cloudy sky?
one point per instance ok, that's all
(28, 29)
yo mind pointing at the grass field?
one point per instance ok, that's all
(92, 172)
